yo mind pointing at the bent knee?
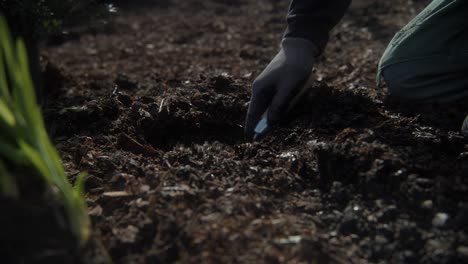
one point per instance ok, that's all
(432, 79)
(426, 86)
(404, 85)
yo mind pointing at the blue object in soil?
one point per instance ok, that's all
(261, 126)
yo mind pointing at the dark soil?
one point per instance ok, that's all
(152, 107)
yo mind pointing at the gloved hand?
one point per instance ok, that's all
(282, 79)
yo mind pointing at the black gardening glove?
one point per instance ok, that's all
(279, 83)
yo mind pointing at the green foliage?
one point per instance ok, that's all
(24, 142)
(45, 16)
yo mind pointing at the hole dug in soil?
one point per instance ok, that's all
(168, 131)
(215, 113)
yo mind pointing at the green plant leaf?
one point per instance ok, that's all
(12, 153)
(4, 92)
(24, 142)
(7, 183)
(80, 205)
(6, 115)
(36, 159)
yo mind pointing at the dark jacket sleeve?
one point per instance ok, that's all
(313, 19)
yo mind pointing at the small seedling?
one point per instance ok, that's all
(25, 148)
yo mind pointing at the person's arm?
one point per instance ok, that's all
(309, 24)
(314, 19)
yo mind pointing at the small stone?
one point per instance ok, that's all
(371, 218)
(289, 240)
(433, 244)
(428, 205)
(141, 203)
(400, 173)
(144, 188)
(126, 235)
(440, 219)
(96, 211)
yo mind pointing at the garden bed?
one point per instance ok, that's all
(153, 105)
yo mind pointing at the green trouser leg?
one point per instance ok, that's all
(428, 59)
